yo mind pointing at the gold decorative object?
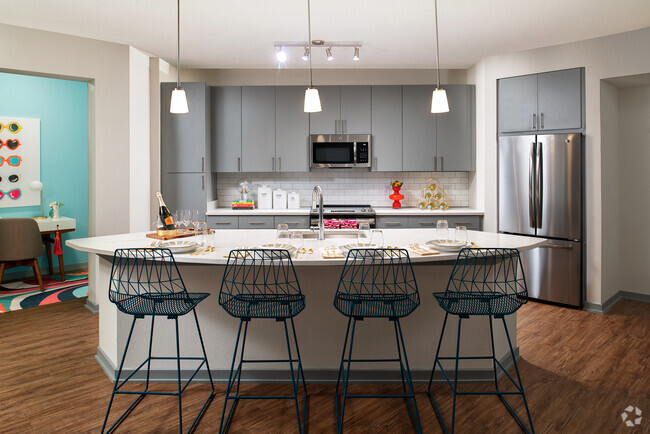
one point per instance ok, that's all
(433, 196)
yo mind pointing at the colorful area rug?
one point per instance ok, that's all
(22, 295)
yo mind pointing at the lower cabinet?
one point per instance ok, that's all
(471, 222)
(256, 222)
(222, 222)
(392, 222)
(292, 221)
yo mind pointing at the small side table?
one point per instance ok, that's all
(48, 227)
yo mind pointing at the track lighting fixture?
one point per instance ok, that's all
(281, 55)
(330, 46)
(328, 51)
(356, 53)
(305, 56)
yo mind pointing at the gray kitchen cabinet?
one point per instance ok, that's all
(292, 221)
(226, 128)
(187, 191)
(346, 110)
(471, 222)
(291, 130)
(256, 222)
(540, 102)
(517, 100)
(559, 99)
(258, 129)
(222, 222)
(185, 138)
(392, 222)
(387, 128)
(418, 129)
(455, 131)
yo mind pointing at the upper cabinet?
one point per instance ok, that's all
(291, 130)
(226, 128)
(418, 129)
(455, 131)
(387, 128)
(346, 110)
(185, 138)
(541, 102)
(258, 129)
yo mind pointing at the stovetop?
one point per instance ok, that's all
(345, 210)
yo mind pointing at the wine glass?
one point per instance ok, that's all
(177, 219)
(377, 238)
(442, 230)
(185, 217)
(363, 234)
(282, 234)
(194, 218)
(460, 235)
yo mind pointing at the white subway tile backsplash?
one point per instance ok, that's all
(349, 187)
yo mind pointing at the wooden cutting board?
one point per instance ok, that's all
(179, 234)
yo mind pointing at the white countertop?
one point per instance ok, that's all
(230, 239)
(381, 211)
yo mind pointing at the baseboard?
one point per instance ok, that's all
(603, 308)
(311, 375)
(91, 306)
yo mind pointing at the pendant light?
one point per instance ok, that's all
(312, 99)
(179, 99)
(439, 103)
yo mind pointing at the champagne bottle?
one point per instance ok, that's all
(165, 216)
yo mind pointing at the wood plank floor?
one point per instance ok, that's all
(580, 370)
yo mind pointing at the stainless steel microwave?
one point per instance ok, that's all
(340, 150)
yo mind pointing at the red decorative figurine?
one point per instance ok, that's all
(396, 196)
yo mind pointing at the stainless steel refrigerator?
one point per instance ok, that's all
(541, 194)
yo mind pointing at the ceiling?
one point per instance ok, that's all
(394, 34)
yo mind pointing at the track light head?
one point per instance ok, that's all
(328, 51)
(356, 53)
(281, 55)
(305, 56)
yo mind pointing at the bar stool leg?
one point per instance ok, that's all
(231, 378)
(146, 387)
(521, 386)
(117, 385)
(407, 373)
(453, 410)
(433, 370)
(178, 367)
(294, 378)
(494, 360)
(346, 377)
(338, 380)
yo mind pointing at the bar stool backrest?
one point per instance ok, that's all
(378, 273)
(488, 272)
(259, 272)
(138, 272)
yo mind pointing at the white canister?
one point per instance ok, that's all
(293, 201)
(264, 197)
(279, 199)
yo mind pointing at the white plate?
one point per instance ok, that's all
(347, 247)
(288, 247)
(178, 246)
(448, 245)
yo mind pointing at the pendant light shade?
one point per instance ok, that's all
(439, 103)
(312, 100)
(178, 102)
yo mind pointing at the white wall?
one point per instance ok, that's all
(139, 142)
(611, 56)
(634, 145)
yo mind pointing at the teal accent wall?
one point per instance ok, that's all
(62, 107)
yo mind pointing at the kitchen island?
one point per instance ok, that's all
(320, 328)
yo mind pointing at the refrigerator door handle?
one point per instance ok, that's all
(539, 194)
(554, 246)
(531, 186)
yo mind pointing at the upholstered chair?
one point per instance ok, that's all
(20, 245)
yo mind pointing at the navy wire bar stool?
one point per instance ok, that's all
(488, 282)
(146, 282)
(262, 283)
(376, 283)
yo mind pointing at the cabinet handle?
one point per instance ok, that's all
(222, 223)
(393, 223)
(541, 119)
(291, 223)
(279, 164)
(202, 164)
(202, 182)
(534, 120)
(466, 224)
(344, 126)
(442, 164)
(238, 164)
(435, 164)
(272, 164)
(552, 246)
(427, 223)
(255, 223)
(336, 126)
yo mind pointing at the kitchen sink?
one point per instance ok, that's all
(329, 233)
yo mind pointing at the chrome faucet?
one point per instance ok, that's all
(317, 192)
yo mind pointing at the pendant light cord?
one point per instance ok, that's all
(178, 44)
(309, 25)
(435, 2)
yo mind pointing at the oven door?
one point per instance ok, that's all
(333, 154)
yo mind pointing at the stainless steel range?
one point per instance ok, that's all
(360, 213)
